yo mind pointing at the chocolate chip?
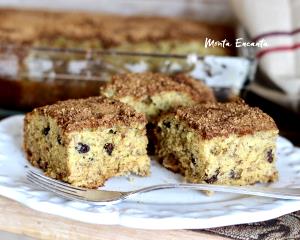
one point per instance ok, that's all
(42, 164)
(150, 126)
(193, 160)
(109, 147)
(45, 165)
(270, 157)
(82, 148)
(29, 153)
(213, 178)
(167, 124)
(234, 175)
(59, 139)
(158, 130)
(46, 130)
(147, 100)
(111, 131)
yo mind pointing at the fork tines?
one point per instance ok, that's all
(60, 188)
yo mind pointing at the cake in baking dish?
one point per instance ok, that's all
(84, 142)
(88, 31)
(219, 143)
(102, 31)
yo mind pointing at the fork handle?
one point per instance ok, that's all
(281, 193)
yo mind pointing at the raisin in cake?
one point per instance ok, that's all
(86, 141)
(153, 93)
(221, 143)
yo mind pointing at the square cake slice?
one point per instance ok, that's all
(154, 93)
(220, 143)
(86, 141)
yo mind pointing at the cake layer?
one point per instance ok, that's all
(153, 93)
(85, 142)
(233, 157)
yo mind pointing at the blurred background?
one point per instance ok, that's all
(56, 50)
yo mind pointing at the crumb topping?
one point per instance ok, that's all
(28, 26)
(221, 119)
(93, 112)
(143, 85)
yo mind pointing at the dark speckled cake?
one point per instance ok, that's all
(154, 93)
(84, 142)
(219, 143)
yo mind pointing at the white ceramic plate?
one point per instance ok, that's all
(167, 209)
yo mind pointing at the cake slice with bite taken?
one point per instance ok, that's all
(86, 141)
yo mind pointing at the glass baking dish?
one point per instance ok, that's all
(36, 76)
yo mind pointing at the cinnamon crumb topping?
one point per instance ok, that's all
(28, 26)
(93, 112)
(142, 85)
(221, 119)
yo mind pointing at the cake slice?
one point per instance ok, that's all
(86, 141)
(153, 93)
(219, 143)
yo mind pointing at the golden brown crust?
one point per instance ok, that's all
(142, 85)
(28, 26)
(222, 119)
(93, 112)
(200, 92)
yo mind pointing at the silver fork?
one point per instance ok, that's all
(103, 197)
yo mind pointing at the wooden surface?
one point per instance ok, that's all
(16, 218)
